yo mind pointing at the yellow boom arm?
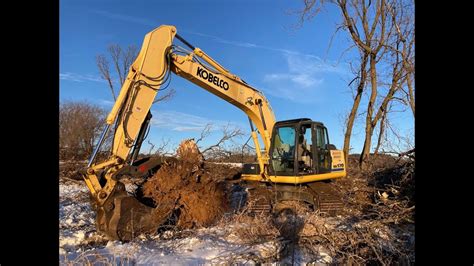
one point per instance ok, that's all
(157, 58)
(233, 90)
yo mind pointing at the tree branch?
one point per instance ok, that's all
(116, 53)
(104, 69)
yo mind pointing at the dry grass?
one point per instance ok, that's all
(94, 258)
(251, 228)
(361, 242)
(70, 170)
(378, 225)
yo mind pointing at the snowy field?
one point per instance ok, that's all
(81, 244)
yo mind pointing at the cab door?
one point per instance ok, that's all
(323, 156)
(282, 151)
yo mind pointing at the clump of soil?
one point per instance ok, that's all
(186, 192)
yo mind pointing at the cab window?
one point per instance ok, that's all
(283, 152)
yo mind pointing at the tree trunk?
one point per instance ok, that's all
(369, 127)
(411, 94)
(350, 124)
(364, 157)
(355, 107)
(381, 132)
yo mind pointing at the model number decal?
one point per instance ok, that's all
(212, 78)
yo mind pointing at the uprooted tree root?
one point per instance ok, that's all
(186, 192)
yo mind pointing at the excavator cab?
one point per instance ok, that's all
(300, 152)
(299, 147)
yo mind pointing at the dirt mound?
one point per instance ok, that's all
(185, 192)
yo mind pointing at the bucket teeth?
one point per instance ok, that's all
(122, 217)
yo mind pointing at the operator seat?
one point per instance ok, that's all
(304, 154)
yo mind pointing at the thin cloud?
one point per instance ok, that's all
(125, 18)
(146, 22)
(251, 45)
(181, 128)
(220, 40)
(313, 65)
(303, 80)
(296, 94)
(106, 102)
(178, 121)
(69, 76)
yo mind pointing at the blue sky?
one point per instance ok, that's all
(254, 39)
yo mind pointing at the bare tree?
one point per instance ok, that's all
(383, 34)
(122, 59)
(152, 146)
(402, 17)
(161, 149)
(79, 126)
(396, 142)
(394, 14)
(220, 149)
(103, 65)
(205, 132)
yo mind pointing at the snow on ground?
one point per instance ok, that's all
(229, 164)
(76, 218)
(81, 244)
(203, 247)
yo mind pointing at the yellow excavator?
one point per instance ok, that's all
(297, 153)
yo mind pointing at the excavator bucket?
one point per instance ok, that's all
(123, 217)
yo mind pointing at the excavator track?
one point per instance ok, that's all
(319, 196)
(259, 199)
(327, 198)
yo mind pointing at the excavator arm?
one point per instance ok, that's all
(122, 216)
(220, 82)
